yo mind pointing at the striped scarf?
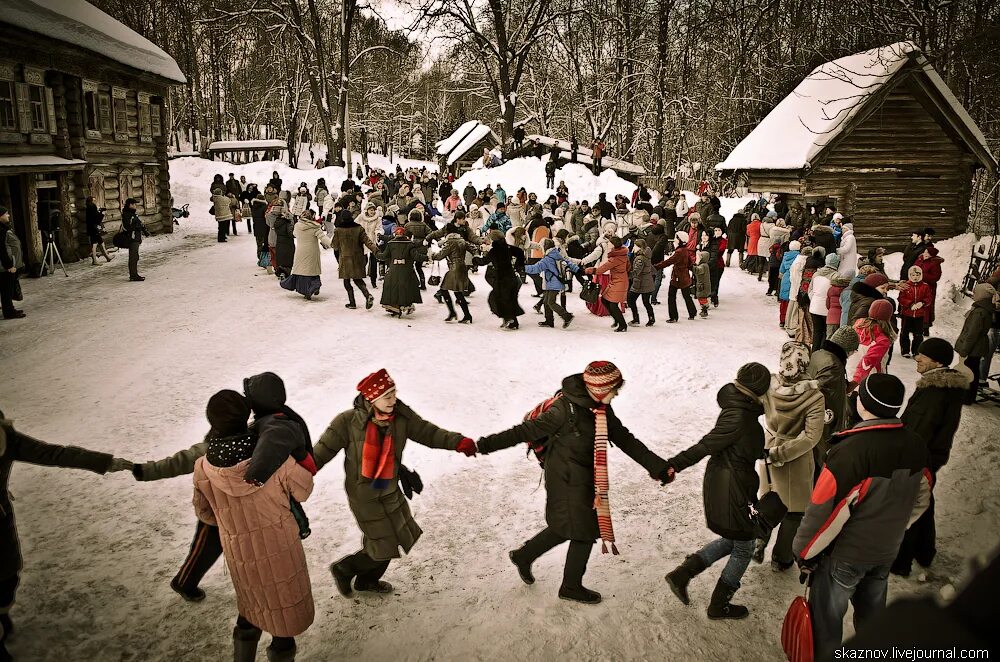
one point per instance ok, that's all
(378, 456)
(601, 485)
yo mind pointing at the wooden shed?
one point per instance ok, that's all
(82, 112)
(879, 136)
(460, 150)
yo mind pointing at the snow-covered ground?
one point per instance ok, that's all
(128, 368)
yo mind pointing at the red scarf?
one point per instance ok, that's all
(378, 456)
(601, 483)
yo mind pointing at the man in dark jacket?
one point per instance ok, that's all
(735, 444)
(876, 482)
(18, 447)
(469, 194)
(132, 224)
(829, 366)
(736, 237)
(605, 208)
(233, 186)
(933, 414)
(912, 252)
(576, 429)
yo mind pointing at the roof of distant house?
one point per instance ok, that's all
(82, 24)
(822, 106)
(245, 145)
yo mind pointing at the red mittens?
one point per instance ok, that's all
(467, 446)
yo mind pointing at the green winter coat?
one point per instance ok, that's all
(569, 458)
(702, 281)
(180, 463)
(830, 370)
(382, 515)
(456, 279)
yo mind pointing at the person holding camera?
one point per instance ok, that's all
(11, 259)
(133, 225)
(95, 230)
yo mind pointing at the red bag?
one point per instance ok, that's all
(797, 630)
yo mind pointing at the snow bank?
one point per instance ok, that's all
(529, 172)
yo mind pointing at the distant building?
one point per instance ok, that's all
(879, 136)
(82, 112)
(459, 151)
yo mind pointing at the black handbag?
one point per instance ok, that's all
(122, 238)
(769, 510)
(434, 280)
(591, 292)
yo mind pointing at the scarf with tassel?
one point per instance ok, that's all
(378, 455)
(601, 485)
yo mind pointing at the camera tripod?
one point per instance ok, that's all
(51, 255)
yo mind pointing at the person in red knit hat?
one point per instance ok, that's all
(577, 425)
(372, 435)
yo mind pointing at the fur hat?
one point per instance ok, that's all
(876, 279)
(754, 377)
(681, 236)
(601, 378)
(880, 310)
(983, 292)
(937, 349)
(882, 394)
(375, 385)
(794, 245)
(228, 412)
(846, 338)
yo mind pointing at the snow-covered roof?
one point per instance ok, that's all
(39, 161)
(247, 145)
(178, 155)
(449, 143)
(478, 133)
(585, 155)
(80, 23)
(816, 112)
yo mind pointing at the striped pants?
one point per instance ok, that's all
(206, 548)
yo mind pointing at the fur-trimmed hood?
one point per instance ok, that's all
(944, 378)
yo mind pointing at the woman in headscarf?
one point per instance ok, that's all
(794, 416)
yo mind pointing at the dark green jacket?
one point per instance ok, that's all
(569, 458)
(382, 515)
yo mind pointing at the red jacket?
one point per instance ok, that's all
(878, 345)
(723, 245)
(680, 275)
(834, 310)
(617, 264)
(931, 266)
(916, 293)
(753, 236)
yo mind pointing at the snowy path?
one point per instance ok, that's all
(128, 367)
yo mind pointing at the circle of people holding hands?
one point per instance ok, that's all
(843, 481)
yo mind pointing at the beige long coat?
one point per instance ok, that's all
(260, 539)
(794, 418)
(308, 236)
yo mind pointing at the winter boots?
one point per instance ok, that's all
(759, 547)
(681, 576)
(191, 595)
(721, 608)
(245, 644)
(523, 570)
(581, 594)
(341, 578)
(282, 655)
(350, 300)
(704, 312)
(379, 586)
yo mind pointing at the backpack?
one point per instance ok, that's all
(540, 446)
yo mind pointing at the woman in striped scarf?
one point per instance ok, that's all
(577, 426)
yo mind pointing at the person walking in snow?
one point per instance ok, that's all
(95, 228)
(875, 483)
(306, 269)
(373, 434)
(680, 278)
(794, 416)
(401, 289)
(615, 292)
(642, 282)
(503, 263)
(223, 213)
(258, 532)
(456, 279)
(577, 428)
(702, 282)
(349, 242)
(548, 269)
(734, 445)
(18, 447)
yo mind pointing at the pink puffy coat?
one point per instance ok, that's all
(876, 350)
(260, 539)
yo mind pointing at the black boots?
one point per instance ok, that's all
(720, 606)
(680, 576)
(245, 644)
(524, 570)
(581, 594)
(350, 300)
(191, 595)
(379, 586)
(452, 316)
(466, 315)
(342, 578)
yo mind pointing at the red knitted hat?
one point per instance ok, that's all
(375, 385)
(602, 377)
(880, 310)
(876, 279)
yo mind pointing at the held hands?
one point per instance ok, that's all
(119, 464)
(667, 476)
(467, 446)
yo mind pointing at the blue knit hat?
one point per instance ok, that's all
(833, 260)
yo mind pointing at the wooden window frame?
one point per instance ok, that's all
(143, 115)
(39, 106)
(12, 86)
(119, 96)
(105, 116)
(91, 109)
(156, 119)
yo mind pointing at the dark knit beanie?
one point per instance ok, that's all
(846, 338)
(876, 279)
(937, 349)
(754, 376)
(882, 394)
(228, 412)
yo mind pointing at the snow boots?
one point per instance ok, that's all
(523, 570)
(245, 644)
(704, 312)
(720, 607)
(581, 594)
(681, 576)
(759, 548)
(282, 655)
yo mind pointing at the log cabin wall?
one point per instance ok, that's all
(99, 111)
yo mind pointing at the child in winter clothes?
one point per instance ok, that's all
(914, 305)
(785, 277)
(734, 445)
(548, 268)
(301, 201)
(703, 282)
(642, 282)
(875, 333)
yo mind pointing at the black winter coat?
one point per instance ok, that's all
(934, 411)
(736, 236)
(862, 297)
(569, 459)
(910, 255)
(502, 261)
(401, 287)
(284, 246)
(17, 447)
(734, 444)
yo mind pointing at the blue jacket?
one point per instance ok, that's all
(501, 194)
(845, 299)
(549, 267)
(388, 225)
(786, 276)
(497, 221)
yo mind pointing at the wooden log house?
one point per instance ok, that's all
(82, 112)
(880, 137)
(459, 152)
